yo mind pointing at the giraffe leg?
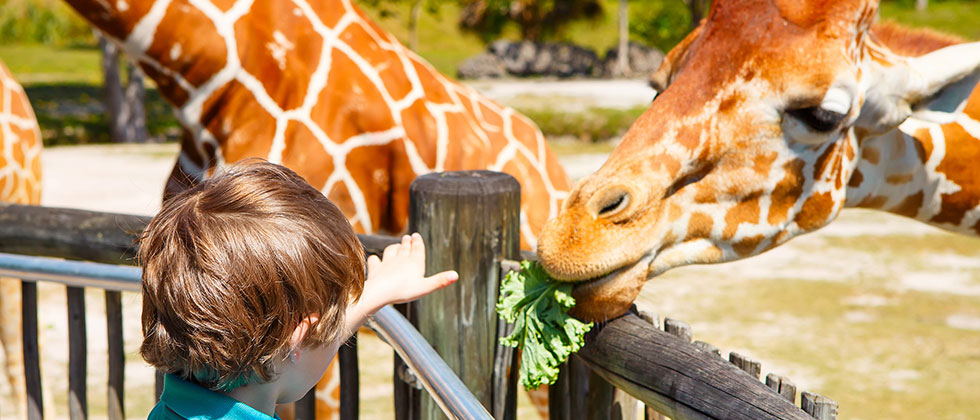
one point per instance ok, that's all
(10, 337)
(328, 393)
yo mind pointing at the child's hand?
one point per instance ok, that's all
(397, 277)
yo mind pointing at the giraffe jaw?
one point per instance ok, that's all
(611, 294)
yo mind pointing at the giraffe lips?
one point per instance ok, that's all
(610, 295)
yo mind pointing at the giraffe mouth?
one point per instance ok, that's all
(611, 294)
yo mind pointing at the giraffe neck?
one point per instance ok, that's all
(926, 169)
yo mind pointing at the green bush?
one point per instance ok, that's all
(43, 21)
(662, 23)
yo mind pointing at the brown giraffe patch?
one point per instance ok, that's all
(871, 155)
(815, 211)
(346, 106)
(961, 168)
(526, 133)
(665, 162)
(746, 211)
(168, 87)
(910, 206)
(363, 164)
(306, 155)
(899, 179)
(699, 226)
(762, 163)
(252, 127)
(382, 60)
(786, 192)
(110, 18)
(200, 51)
(856, 179)
(829, 159)
(279, 56)
(746, 247)
(420, 126)
(873, 202)
(433, 90)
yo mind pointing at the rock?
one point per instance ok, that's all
(643, 60)
(526, 58)
(482, 66)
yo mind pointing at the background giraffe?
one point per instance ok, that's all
(20, 183)
(772, 117)
(320, 88)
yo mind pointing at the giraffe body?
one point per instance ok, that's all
(318, 87)
(772, 117)
(20, 183)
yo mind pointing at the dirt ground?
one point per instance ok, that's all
(878, 312)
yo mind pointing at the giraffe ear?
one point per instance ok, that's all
(661, 78)
(927, 86)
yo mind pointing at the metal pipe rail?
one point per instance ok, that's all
(443, 385)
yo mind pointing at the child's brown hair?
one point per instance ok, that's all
(233, 265)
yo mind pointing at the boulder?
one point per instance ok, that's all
(482, 66)
(643, 60)
(526, 58)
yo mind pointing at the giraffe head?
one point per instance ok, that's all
(751, 142)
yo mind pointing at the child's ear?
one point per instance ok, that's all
(303, 328)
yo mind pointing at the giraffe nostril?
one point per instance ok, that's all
(615, 204)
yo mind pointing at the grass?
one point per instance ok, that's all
(955, 17)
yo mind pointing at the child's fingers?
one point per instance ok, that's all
(406, 245)
(372, 262)
(418, 247)
(443, 279)
(390, 251)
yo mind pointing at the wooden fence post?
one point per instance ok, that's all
(470, 221)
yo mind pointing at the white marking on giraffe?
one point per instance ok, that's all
(175, 52)
(122, 6)
(279, 48)
(141, 37)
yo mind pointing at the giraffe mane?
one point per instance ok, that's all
(912, 42)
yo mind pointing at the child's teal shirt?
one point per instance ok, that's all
(186, 400)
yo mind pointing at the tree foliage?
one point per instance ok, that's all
(661, 23)
(536, 19)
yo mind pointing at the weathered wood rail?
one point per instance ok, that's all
(470, 223)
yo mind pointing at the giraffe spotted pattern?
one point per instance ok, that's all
(318, 87)
(20, 183)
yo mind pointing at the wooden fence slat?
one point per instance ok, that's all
(818, 406)
(117, 363)
(32, 361)
(77, 354)
(349, 383)
(782, 385)
(750, 366)
(470, 221)
(678, 329)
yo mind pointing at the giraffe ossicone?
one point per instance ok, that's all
(771, 118)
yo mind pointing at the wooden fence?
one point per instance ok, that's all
(470, 222)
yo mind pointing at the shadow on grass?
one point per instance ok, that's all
(73, 113)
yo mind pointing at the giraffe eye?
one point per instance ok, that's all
(817, 118)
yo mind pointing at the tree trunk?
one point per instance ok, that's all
(135, 94)
(921, 5)
(699, 9)
(114, 95)
(623, 56)
(413, 24)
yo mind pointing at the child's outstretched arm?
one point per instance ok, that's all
(396, 277)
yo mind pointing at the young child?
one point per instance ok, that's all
(251, 281)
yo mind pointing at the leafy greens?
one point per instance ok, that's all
(538, 308)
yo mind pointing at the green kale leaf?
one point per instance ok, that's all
(543, 330)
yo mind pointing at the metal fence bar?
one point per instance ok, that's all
(71, 273)
(117, 363)
(32, 355)
(77, 354)
(443, 385)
